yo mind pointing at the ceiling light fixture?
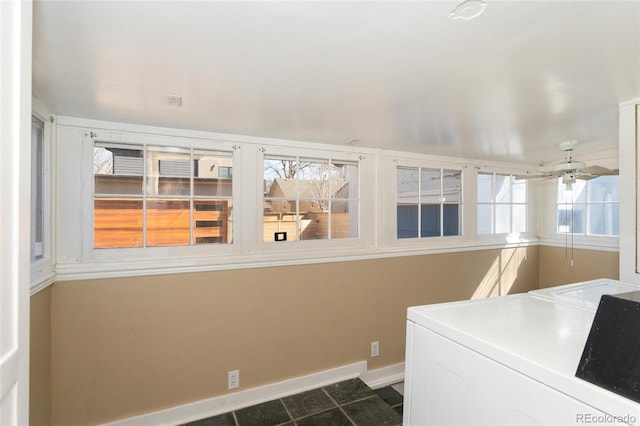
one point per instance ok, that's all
(468, 10)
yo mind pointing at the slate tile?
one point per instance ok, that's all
(307, 403)
(349, 390)
(372, 411)
(390, 395)
(333, 417)
(269, 413)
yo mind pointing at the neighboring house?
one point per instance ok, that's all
(313, 196)
(315, 207)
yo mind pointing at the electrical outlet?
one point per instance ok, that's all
(375, 349)
(234, 379)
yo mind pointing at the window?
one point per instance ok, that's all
(37, 189)
(591, 208)
(429, 202)
(150, 196)
(502, 204)
(309, 199)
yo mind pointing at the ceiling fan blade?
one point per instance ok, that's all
(583, 176)
(551, 176)
(529, 176)
(595, 170)
(537, 175)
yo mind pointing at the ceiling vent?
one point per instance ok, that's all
(174, 100)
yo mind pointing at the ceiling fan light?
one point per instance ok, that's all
(568, 188)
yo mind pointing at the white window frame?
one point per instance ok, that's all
(145, 197)
(494, 203)
(586, 236)
(435, 240)
(308, 245)
(77, 259)
(43, 270)
(144, 257)
(377, 234)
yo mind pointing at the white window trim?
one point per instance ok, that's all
(397, 160)
(511, 203)
(377, 218)
(42, 272)
(582, 241)
(146, 253)
(308, 245)
(547, 223)
(78, 260)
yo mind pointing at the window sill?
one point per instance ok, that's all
(95, 269)
(584, 242)
(42, 276)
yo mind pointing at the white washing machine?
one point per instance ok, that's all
(509, 360)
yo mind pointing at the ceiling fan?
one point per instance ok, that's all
(569, 170)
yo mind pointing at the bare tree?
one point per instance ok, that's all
(286, 169)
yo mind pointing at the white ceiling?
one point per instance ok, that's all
(509, 85)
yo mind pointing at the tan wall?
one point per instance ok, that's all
(556, 269)
(123, 347)
(40, 374)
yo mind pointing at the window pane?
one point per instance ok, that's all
(314, 225)
(604, 188)
(279, 178)
(279, 168)
(519, 218)
(314, 178)
(571, 220)
(168, 171)
(117, 223)
(212, 174)
(37, 189)
(346, 181)
(580, 191)
(562, 194)
(430, 187)
(485, 188)
(407, 185)
(503, 218)
(117, 170)
(503, 189)
(452, 186)
(280, 189)
(280, 224)
(167, 222)
(519, 190)
(451, 224)
(603, 219)
(485, 219)
(430, 220)
(344, 219)
(407, 198)
(407, 218)
(212, 221)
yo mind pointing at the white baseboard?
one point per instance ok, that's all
(234, 401)
(384, 376)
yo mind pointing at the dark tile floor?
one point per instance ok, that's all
(346, 403)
